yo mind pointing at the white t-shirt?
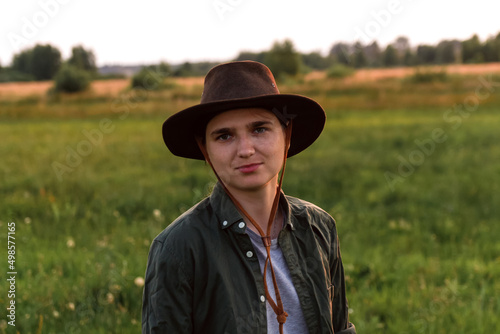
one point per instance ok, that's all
(295, 322)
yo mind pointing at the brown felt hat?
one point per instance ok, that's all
(242, 84)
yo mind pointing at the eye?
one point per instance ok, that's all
(223, 137)
(260, 129)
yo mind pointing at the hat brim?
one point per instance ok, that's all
(180, 129)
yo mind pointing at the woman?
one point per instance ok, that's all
(247, 259)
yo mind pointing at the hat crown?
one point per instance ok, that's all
(236, 85)
(238, 80)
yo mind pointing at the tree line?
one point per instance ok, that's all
(398, 53)
(44, 62)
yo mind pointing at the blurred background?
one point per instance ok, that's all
(407, 163)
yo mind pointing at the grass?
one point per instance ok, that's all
(420, 257)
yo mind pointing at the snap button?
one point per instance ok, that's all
(241, 225)
(249, 254)
(262, 298)
(224, 223)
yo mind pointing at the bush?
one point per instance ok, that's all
(110, 76)
(70, 79)
(428, 76)
(147, 79)
(10, 75)
(339, 71)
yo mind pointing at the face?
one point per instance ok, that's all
(246, 148)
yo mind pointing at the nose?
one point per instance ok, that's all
(245, 147)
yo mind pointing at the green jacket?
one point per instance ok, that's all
(201, 277)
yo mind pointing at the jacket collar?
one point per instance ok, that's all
(224, 208)
(228, 214)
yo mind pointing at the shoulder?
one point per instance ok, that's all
(187, 228)
(308, 212)
(312, 220)
(180, 242)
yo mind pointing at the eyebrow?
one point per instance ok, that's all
(220, 131)
(259, 123)
(251, 125)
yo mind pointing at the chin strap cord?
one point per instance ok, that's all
(277, 306)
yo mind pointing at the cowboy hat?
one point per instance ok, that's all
(242, 84)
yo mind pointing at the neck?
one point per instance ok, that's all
(258, 205)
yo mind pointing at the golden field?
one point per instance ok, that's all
(20, 90)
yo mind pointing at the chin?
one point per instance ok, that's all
(249, 185)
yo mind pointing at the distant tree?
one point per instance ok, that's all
(316, 61)
(153, 77)
(359, 58)
(185, 70)
(495, 53)
(162, 69)
(426, 54)
(341, 52)
(255, 56)
(2, 70)
(202, 68)
(45, 62)
(42, 62)
(83, 59)
(409, 58)
(71, 79)
(390, 57)
(471, 50)
(147, 79)
(373, 54)
(448, 52)
(401, 45)
(189, 69)
(7, 74)
(22, 61)
(283, 60)
(491, 49)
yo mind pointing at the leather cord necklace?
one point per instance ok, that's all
(277, 306)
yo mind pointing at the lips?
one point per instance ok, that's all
(249, 168)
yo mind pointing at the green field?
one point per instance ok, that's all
(410, 171)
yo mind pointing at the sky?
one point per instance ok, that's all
(149, 31)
